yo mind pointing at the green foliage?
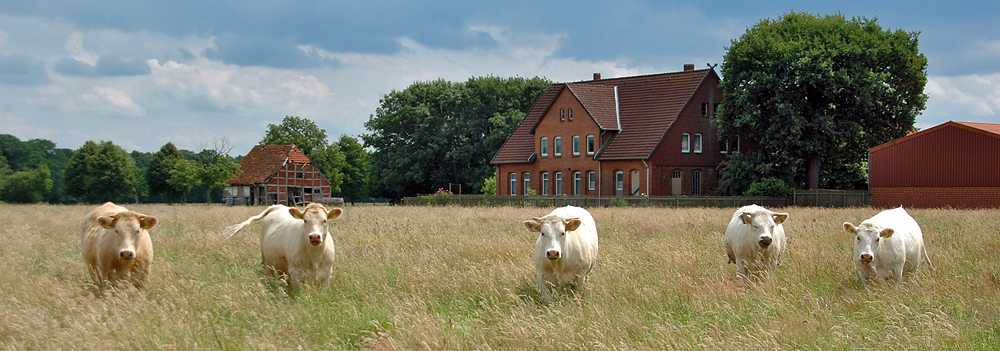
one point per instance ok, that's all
(740, 171)
(17, 155)
(490, 186)
(821, 87)
(158, 173)
(211, 170)
(769, 187)
(354, 174)
(438, 132)
(312, 141)
(102, 172)
(26, 186)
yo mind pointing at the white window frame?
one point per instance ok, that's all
(685, 143)
(571, 114)
(558, 183)
(562, 115)
(527, 182)
(545, 183)
(576, 145)
(620, 180)
(557, 146)
(696, 143)
(513, 183)
(545, 147)
(591, 180)
(590, 145)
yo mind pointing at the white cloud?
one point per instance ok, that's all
(964, 98)
(117, 99)
(74, 45)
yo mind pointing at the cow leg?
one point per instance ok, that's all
(295, 279)
(544, 288)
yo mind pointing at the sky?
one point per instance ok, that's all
(145, 73)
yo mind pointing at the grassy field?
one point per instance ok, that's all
(462, 279)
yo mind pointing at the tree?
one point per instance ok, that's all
(158, 173)
(101, 172)
(312, 141)
(354, 174)
(26, 187)
(211, 169)
(809, 90)
(438, 132)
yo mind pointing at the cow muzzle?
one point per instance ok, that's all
(126, 255)
(553, 254)
(764, 242)
(866, 258)
(315, 239)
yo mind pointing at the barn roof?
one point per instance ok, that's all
(640, 112)
(264, 161)
(988, 129)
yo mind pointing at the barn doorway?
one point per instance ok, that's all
(675, 183)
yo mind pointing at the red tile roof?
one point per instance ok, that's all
(647, 106)
(264, 161)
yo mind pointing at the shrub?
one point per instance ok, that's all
(769, 187)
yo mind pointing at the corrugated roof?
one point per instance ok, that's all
(263, 162)
(990, 129)
(647, 106)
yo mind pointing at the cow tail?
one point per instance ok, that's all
(235, 228)
(927, 258)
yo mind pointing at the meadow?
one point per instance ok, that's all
(454, 278)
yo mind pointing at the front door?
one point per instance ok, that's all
(675, 183)
(635, 182)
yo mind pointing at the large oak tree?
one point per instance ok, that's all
(814, 93)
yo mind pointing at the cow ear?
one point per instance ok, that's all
(147, 222)
(850, 228)
(106, 222)
(334, 213)
(572, 224)
(295, 212)
(746, 217)
(533, 225)
(887, 232)
(780, 217)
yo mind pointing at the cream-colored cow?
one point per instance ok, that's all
(295, 243)
(116, 245)
(566, 248)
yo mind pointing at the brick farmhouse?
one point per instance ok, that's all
(621, 137)
(955, 164)
(276, 174)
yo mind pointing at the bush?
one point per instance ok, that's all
(769, 187)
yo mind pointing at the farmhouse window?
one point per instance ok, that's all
(545, 183)
(696, 143)
(704, 109)
(620, 180)
(696, 183)
(576, 144)
(545, 147)
(590, 145)
(592, 180)
(527, 183)
(559, 189)
(685, 143)
(562, 115)
(724, 146)
(513, 183)
(557, 146)
(570, 114)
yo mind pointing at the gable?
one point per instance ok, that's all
(951, 154)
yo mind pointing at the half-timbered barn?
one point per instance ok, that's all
(277, 174)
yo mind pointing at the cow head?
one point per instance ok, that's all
(128, 228)
(552, 233)
(762, 224)
(315, 217)
(867, 239)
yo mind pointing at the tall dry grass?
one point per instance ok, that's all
(462, 278)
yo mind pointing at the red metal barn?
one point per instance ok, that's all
(955, 164)
(277, 174)
(622, 137)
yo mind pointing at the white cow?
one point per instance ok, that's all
(887, 245)
(755, 241)
(566, 249)
(295, 243)
(116, 245)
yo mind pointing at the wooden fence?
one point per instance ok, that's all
(814, 198)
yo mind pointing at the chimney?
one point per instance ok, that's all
(597, 75)
(688, 67)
